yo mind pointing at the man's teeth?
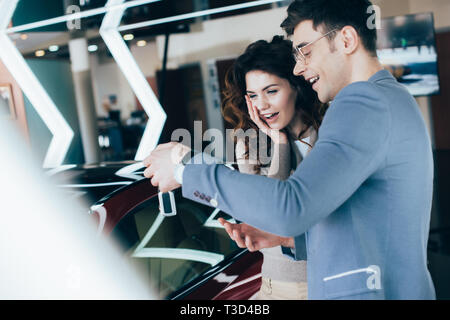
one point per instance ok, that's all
(313, 80)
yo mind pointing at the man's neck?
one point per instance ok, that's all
(362, 69)
(365, 68)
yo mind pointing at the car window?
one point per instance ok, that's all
(171, 251)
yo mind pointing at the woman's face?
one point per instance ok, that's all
(272, 96)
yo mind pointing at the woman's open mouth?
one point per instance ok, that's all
(271, 117)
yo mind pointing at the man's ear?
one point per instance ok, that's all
(349, 39)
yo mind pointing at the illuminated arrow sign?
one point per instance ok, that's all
(44, 105)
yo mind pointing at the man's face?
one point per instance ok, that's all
(324, 67)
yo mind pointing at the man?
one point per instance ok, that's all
(363, 195)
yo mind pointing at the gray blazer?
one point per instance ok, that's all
(362, 197)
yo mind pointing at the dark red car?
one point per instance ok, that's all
(186, 256)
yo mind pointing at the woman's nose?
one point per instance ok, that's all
(263, 104)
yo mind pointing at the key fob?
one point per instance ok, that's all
(167, 204)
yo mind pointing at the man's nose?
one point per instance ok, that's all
(299, 68)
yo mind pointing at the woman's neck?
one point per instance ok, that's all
(296, 126)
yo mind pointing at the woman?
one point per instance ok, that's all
(263, 94)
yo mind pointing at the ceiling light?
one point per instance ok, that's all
(24, 36)
(128, 37)
(141, 43)
(53, 48)
(79, 15)
(92, 48)
(39, 53)
(191, 15)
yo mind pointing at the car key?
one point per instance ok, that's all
(167, 205)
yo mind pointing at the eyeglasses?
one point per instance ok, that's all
(300, 55)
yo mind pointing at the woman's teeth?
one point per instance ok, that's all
(269, 116)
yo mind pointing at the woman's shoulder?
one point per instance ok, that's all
(310, 136)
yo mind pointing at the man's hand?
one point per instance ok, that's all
(254, 239)
(161, 163)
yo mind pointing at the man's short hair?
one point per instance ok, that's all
(334, 14)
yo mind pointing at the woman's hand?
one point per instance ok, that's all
(277, 136)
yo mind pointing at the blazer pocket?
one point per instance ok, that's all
(353, 282)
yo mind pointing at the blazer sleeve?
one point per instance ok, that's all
(352, 144)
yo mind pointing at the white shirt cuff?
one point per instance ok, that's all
(199, 158)
(178, 173)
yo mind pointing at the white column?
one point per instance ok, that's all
(84, 94)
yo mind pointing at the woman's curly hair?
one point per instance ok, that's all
(275, 58)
